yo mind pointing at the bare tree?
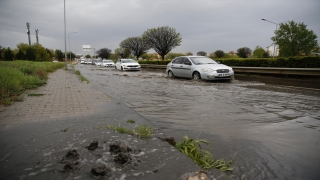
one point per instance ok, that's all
(136, 45)
(122, 52)
(201, 53)
(162, 39)
(219, 53)
(104, 53)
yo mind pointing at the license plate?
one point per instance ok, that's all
(223, 75)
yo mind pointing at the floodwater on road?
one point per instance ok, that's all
(272, 132)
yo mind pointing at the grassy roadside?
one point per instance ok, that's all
(18, 76)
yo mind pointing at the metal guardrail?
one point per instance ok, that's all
(260, 70)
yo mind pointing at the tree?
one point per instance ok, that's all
(295, 39)
(122, 52)
(162, 39)
(23, 47)
(1, 50)
(244, 52)
(104, 53)
(31, 54)
(88, 56)
(259, 52)
(137, 45)
(201, 53)
(8, 54)
(20, 55)
(189, 54)
(59, 54)
(41, 53)
(219, 53)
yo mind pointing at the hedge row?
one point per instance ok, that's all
(292, 62)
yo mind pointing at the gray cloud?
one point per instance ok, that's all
(205, 25)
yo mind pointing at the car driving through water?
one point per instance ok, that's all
(199, 67)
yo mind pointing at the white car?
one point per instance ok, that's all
(107, 63)
(82, 61)
(127, 64)
(199, 67)
(97, 62)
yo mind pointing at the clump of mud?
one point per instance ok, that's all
(70, 161)
(123, 155)
(72, 166)
(100, 170)
(170, 140)
(117, 147)
(93, 145)
(71, 155)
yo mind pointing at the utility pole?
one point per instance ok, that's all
(37, 30)
(28, 31)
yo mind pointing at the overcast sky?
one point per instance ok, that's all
(204, 25)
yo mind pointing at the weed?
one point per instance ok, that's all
(82, 78)
(192, 148)
(131, 121)
(64, 130)
(143, 131)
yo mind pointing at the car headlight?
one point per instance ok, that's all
(207, 70)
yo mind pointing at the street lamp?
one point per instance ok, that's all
(274, 44)
(69, 42)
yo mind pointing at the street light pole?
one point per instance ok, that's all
(69, 43)
(65, 34)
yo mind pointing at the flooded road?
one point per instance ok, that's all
(272, 132)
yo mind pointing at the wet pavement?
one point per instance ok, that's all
(61, 133)
(272, 131)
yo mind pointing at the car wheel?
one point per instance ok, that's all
(170, 74)
(196, 76)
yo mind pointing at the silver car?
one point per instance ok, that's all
(199, 67)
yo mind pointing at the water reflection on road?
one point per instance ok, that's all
(273, 132)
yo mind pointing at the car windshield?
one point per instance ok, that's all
(202, 60)
(97, 60)
(128, 61)
(108, 61)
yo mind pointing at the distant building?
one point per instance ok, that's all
(273, 48)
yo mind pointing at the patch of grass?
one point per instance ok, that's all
(192, 148)
(143, 131)
(64, 130)
(82, 78)
(33, 94)
(18, 76)
(131, 121)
